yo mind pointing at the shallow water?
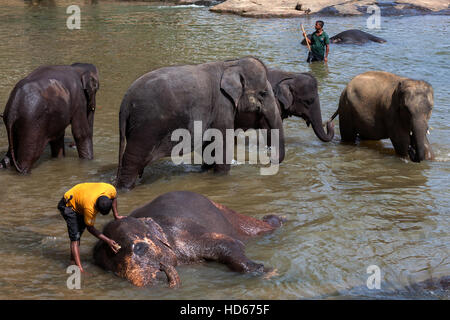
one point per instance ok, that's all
(348, 206)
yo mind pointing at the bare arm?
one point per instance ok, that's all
(327, 51)
(115, 211)
(112, 244)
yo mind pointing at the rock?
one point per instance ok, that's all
(294, 8)
(199, 2)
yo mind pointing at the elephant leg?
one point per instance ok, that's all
(222, 167)
(57, 147)
(346, 128)
(28, 150)
(83, 140)
(134, 160)
(401, 145)
(224, 249)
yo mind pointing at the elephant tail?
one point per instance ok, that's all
(9, 128)
(123, 119)
(335, 114)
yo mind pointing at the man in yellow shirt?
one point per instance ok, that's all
(80, 205)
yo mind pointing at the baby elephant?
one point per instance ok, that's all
(179, 228)
(379, 105)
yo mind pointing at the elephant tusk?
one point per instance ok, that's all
(428, 132)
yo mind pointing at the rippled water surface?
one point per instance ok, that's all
(348, 206)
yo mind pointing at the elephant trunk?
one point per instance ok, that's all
(416, 149)
(316, 122)
(172, 275)
(274, 121)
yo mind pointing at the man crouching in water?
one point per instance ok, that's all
(79, 206)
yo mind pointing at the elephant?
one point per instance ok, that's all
(378, 105)
(353, 36)
(175, 97)
(180, 227)
(42, 105)
(297, 95)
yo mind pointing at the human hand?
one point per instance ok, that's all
(115, 247)
(326, 59)
(120, 217)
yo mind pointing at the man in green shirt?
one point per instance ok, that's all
(320, 44)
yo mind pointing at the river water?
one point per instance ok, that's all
(348, 207)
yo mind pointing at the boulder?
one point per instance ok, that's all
(296, 8)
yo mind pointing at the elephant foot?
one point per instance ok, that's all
(255, 267)
(274, 220)
(206, 167)
(5, 163)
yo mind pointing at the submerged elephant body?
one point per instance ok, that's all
(179, 228)
(379, 105)
(171, 98)
(352, 36)
(42, 105)
(355, 37)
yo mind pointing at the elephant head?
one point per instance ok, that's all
(414, 99)
(245, 83)
(89, 80)
(145, 252)
(298, 96)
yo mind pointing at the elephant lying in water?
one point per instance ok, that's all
(296, 95)
(352, 36)
(179, 228)
(42, 105)
(171, 98)
(379, 105)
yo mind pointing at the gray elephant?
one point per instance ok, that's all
(355, 36)
(296, 95)
(352, 36)
(180, 227)
(171, 98)
(379, 105)
(42, 105)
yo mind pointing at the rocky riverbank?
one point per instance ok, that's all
(294, 8)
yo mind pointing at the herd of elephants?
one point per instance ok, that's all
(184, 227)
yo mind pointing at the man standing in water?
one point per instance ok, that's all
(319, 42)
(79, 206)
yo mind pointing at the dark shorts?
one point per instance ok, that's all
(75, 221)
(314, 57)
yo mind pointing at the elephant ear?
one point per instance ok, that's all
(232, 84)
(90, 85)
(284, 95)
(155, 230)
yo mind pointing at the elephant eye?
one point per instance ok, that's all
(140, 248)
(263, 93)
(308, 102)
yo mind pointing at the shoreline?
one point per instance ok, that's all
(301, 8)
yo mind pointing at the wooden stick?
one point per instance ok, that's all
(306, 37)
